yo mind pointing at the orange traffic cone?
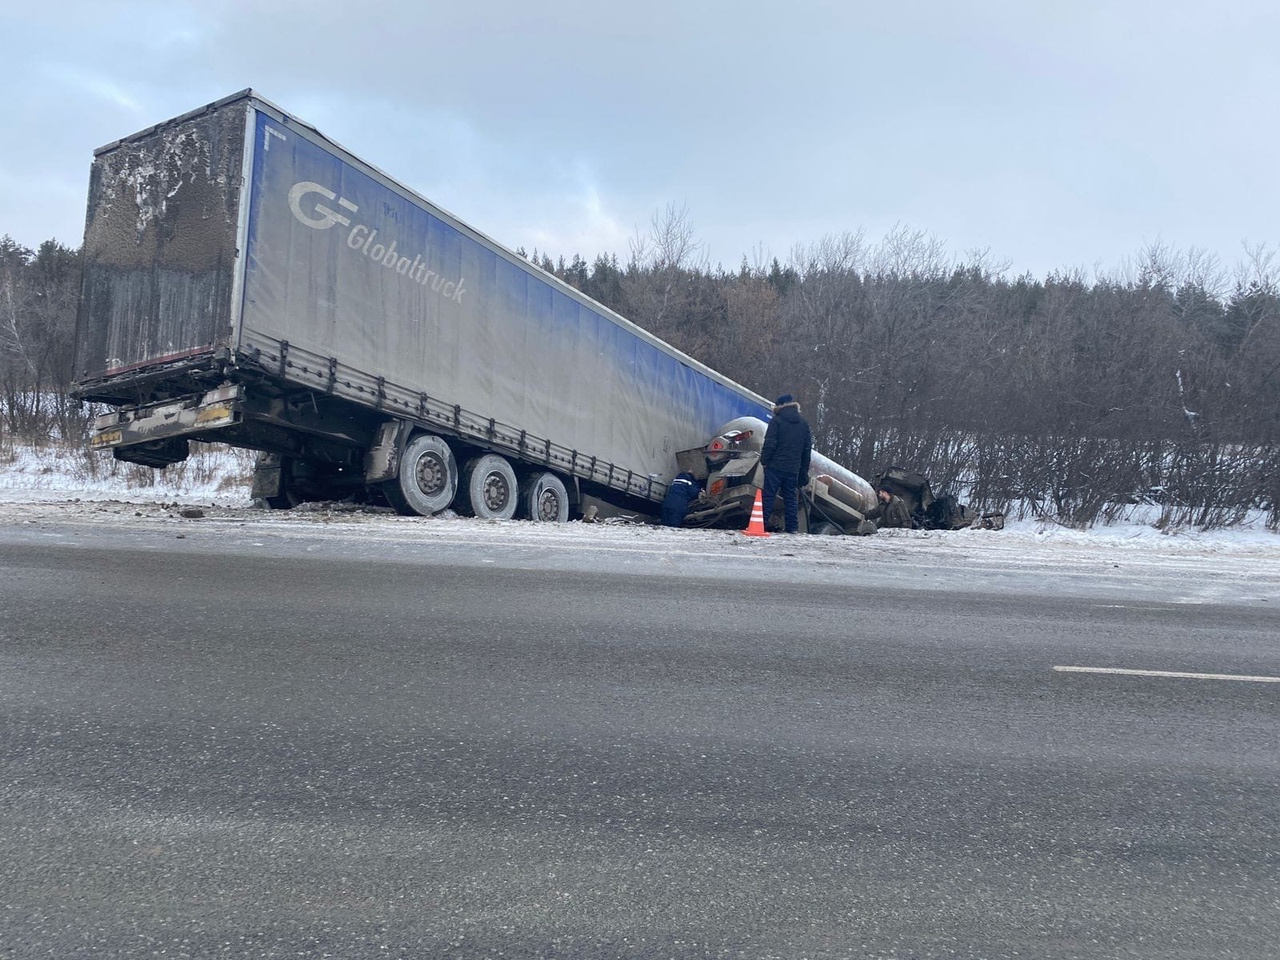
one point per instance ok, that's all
(756, 527)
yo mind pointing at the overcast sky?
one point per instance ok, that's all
(1052, 135)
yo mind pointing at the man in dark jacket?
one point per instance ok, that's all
(788, 444)
(681, 492)
(891, 511)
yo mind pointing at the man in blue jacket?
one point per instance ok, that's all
(788, 444)
(681, 492)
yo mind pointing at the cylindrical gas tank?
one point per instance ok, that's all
(843, 484)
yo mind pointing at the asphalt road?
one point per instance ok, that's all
(297, 748)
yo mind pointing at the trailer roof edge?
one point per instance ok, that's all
(246, 94)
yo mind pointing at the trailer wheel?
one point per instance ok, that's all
(490, 489)
(827, 529)
(428, 477)
(544, 498)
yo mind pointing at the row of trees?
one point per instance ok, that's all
(1069, 395)
(39, 293)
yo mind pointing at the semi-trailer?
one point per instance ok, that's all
(249, 281)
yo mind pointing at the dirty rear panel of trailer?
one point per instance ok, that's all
(160, 247)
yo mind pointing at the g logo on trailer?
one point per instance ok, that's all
(325, 217)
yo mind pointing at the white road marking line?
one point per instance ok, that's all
(1168, 673)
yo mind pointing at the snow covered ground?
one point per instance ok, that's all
(1125, 562)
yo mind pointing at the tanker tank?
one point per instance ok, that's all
(842, 484)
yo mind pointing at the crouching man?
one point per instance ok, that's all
(681, 492)
(891, 512)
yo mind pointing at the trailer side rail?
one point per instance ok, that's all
(329, 376)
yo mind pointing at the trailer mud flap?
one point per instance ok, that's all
(382, 462)
(167, 420)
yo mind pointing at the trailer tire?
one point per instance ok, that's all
(544, 498)
(428, 477)
(489, 488)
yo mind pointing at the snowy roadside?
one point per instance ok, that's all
(1187, 566)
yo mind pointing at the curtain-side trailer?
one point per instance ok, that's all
(249, 281)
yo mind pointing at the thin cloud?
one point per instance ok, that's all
(101, 88)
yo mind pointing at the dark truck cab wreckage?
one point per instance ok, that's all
(248, 281)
